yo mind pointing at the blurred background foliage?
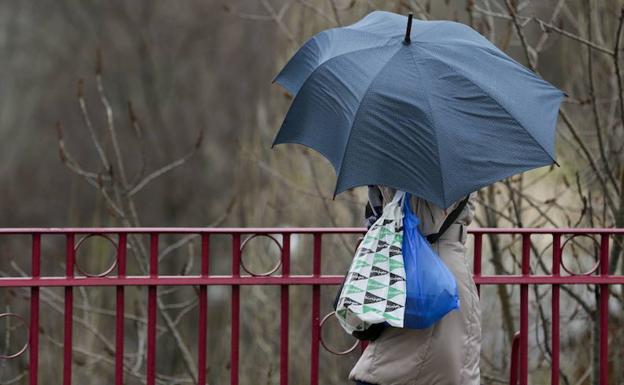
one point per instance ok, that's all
(161, 113)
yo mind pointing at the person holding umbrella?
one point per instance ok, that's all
(436, 110)
(448, 352)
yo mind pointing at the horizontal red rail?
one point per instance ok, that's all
(285, 230)
(190, 280)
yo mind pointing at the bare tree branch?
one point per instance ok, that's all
(169, 167)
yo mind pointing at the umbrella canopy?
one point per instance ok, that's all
(437, 111)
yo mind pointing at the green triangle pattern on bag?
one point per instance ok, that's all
(395, 264)
(361, 264)
(376, 275)
(392, 292)
(385, 232)
(375, 285)
(352, 289)
(379, 258)
(388, 316)
(370, 309)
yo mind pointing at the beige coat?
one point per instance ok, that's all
(448, 352)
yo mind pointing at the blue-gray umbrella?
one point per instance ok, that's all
(436, 110)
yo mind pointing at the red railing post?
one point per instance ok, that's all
(477, 258)
(555, 345)
(284, 299)
(235, 322)
(120, 310)
(202, 340)
(70, 260)
(152, 306)
(604, 311)
(316, 311)
(513, 370)
(33, 353)
(524, 311)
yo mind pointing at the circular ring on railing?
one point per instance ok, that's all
(589, 272)
(338, 353)
(109, 269)
(25, 326)
(277, 265)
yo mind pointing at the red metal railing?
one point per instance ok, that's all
(598, 275)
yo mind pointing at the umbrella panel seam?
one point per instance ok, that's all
(357, 114)
(432, 121)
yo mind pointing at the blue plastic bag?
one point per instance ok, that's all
(431, 287)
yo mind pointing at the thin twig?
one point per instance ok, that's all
(318, 10)
(545, 35)
(588, 156)
(545, 26)
(550, 27)
(138, 131)
(69, 161)
(335, 12)
(89, 124)
(110, 119)
(592, 95)
(165, 169)
(516, 21)
(278, 17)
(616, 62)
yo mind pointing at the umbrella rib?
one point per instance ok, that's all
(357, 113)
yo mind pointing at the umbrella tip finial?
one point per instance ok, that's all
(408, 31)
